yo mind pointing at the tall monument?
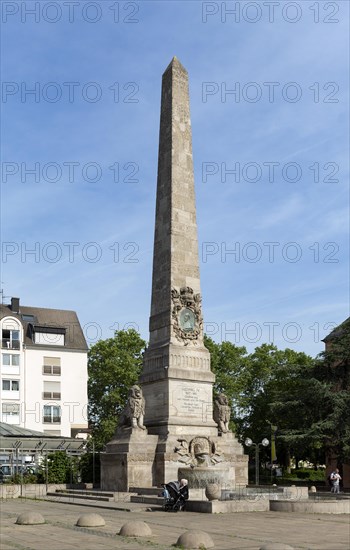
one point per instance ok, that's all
(176, 380)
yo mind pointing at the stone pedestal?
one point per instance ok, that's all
(129, 461)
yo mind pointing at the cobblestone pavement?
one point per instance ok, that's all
(246, 531)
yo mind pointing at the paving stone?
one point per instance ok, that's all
(240, 531)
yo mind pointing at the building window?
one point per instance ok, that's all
(10, 385)
(29, 318)
(10, 413)
(9, 359)
(52, 414)
(50, 338)
(50, 369)
(10, 339)
(52, 366)
(52, 390)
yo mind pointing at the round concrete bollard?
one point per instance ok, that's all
(276, 546)
(194, 539)
(30, 518)
(90, 520)
(312, 489)
(135, 529)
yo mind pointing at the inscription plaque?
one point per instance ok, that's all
(189, 400)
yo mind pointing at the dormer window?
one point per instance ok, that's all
(28, 318)
(49, 336)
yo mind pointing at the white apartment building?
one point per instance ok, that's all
(43, 370)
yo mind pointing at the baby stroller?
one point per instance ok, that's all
(175, 496)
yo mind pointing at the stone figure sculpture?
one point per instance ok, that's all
(222, 413)
(133, 414)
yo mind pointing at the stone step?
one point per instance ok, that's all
(146, 490)
(147, 499)
(95, 492)
(78, 501)
(68, 495)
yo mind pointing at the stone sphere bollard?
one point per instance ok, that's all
(213, 491)
(194, 539)
(90, 520)
(30, 518)
(312, 489)
(135, 529)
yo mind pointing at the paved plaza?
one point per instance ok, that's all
(228, 531)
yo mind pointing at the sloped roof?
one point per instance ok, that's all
(9, 430)
(50, 318)
(32, 440)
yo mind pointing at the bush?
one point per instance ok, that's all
(26, 478)
(58, 467)
(309, 474)
(303, 474)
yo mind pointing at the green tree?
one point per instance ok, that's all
(333, 369)
(228, 363)
(319, 398)
(113, 367)
(90, 467)
(252, 382)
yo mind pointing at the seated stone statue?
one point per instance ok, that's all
(222, 413)
(134, 411)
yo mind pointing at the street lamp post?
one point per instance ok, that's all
(249, 443)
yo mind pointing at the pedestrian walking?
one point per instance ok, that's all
(335, 480)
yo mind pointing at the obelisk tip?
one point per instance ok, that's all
(175, 63)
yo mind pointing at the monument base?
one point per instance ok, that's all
(135, 458)
(129, 460)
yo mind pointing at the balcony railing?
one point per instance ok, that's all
(51, 395)
(10, 344)
(52, 419)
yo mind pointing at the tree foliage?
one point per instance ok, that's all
(307, 399)
(113, 366)
(251, 381)
(320, 398)
(58, 467)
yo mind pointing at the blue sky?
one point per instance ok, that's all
(97, 105)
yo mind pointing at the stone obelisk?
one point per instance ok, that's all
(176, 380)
(181, 436)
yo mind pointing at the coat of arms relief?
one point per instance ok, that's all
(186, 314)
